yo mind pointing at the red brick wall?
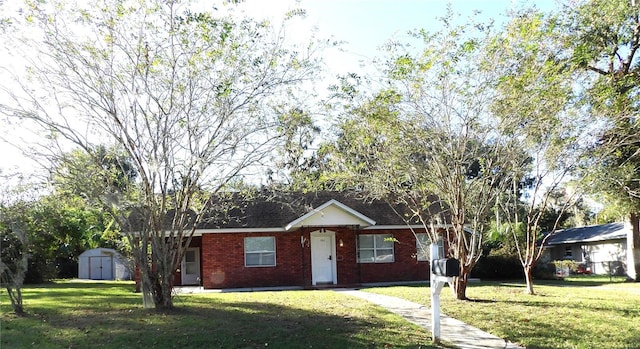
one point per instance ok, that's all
(222, 260)
(346, 265)
(405, 267)
(346, 262)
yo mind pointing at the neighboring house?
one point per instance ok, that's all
(601, 248)
(102, 264)
(310, 240)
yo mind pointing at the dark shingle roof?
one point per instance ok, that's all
(276, 211)
(603, 232)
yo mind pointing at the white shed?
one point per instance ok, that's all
(102, 264)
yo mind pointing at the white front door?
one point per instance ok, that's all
(323, 261)
(190, 270)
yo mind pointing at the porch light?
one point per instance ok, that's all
(341, 243)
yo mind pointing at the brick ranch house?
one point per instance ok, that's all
(313, 240)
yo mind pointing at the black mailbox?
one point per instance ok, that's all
(446, 267)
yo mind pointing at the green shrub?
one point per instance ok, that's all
(498, 267)
(544, 271)
(570, 265)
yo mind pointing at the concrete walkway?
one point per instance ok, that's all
(451, 330)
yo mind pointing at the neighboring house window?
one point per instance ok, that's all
(568, 253)
(423, 250)
(260, 251)
(375, 248)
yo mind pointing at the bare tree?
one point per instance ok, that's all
(15, 210)
(194, 99)
(427, 133)
(535, 105)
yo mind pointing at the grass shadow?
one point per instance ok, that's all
(107, 316)
(474, 300)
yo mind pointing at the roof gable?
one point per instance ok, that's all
(331, 212)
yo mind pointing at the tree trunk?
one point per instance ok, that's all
(461, 285)
(164, 296)
(155, 293)
(15, 279)
(156, 280)
(528, 270)
(633, 247)
(15, 295)
(146, 286)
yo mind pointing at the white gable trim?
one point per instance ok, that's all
(360, 219)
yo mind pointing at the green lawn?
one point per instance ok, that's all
(109, 315)
(576, 313)
(585, 312)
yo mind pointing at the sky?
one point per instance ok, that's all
(363, 25)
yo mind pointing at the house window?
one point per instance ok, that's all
(568, 253)
(423, 250)
(260, 251)
(375, 248)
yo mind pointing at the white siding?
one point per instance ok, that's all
(605, 256)
(102, 264)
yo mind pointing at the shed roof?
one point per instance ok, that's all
(592, 233)
(99, 251)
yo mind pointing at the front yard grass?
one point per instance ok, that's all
(575, 313)
(585, 312)
(109, 315)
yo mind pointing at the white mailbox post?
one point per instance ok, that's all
(436, 284)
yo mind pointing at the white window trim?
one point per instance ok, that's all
(375, 250)
(258, 252)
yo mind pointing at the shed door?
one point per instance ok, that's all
(100, 268)
(323, 262)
